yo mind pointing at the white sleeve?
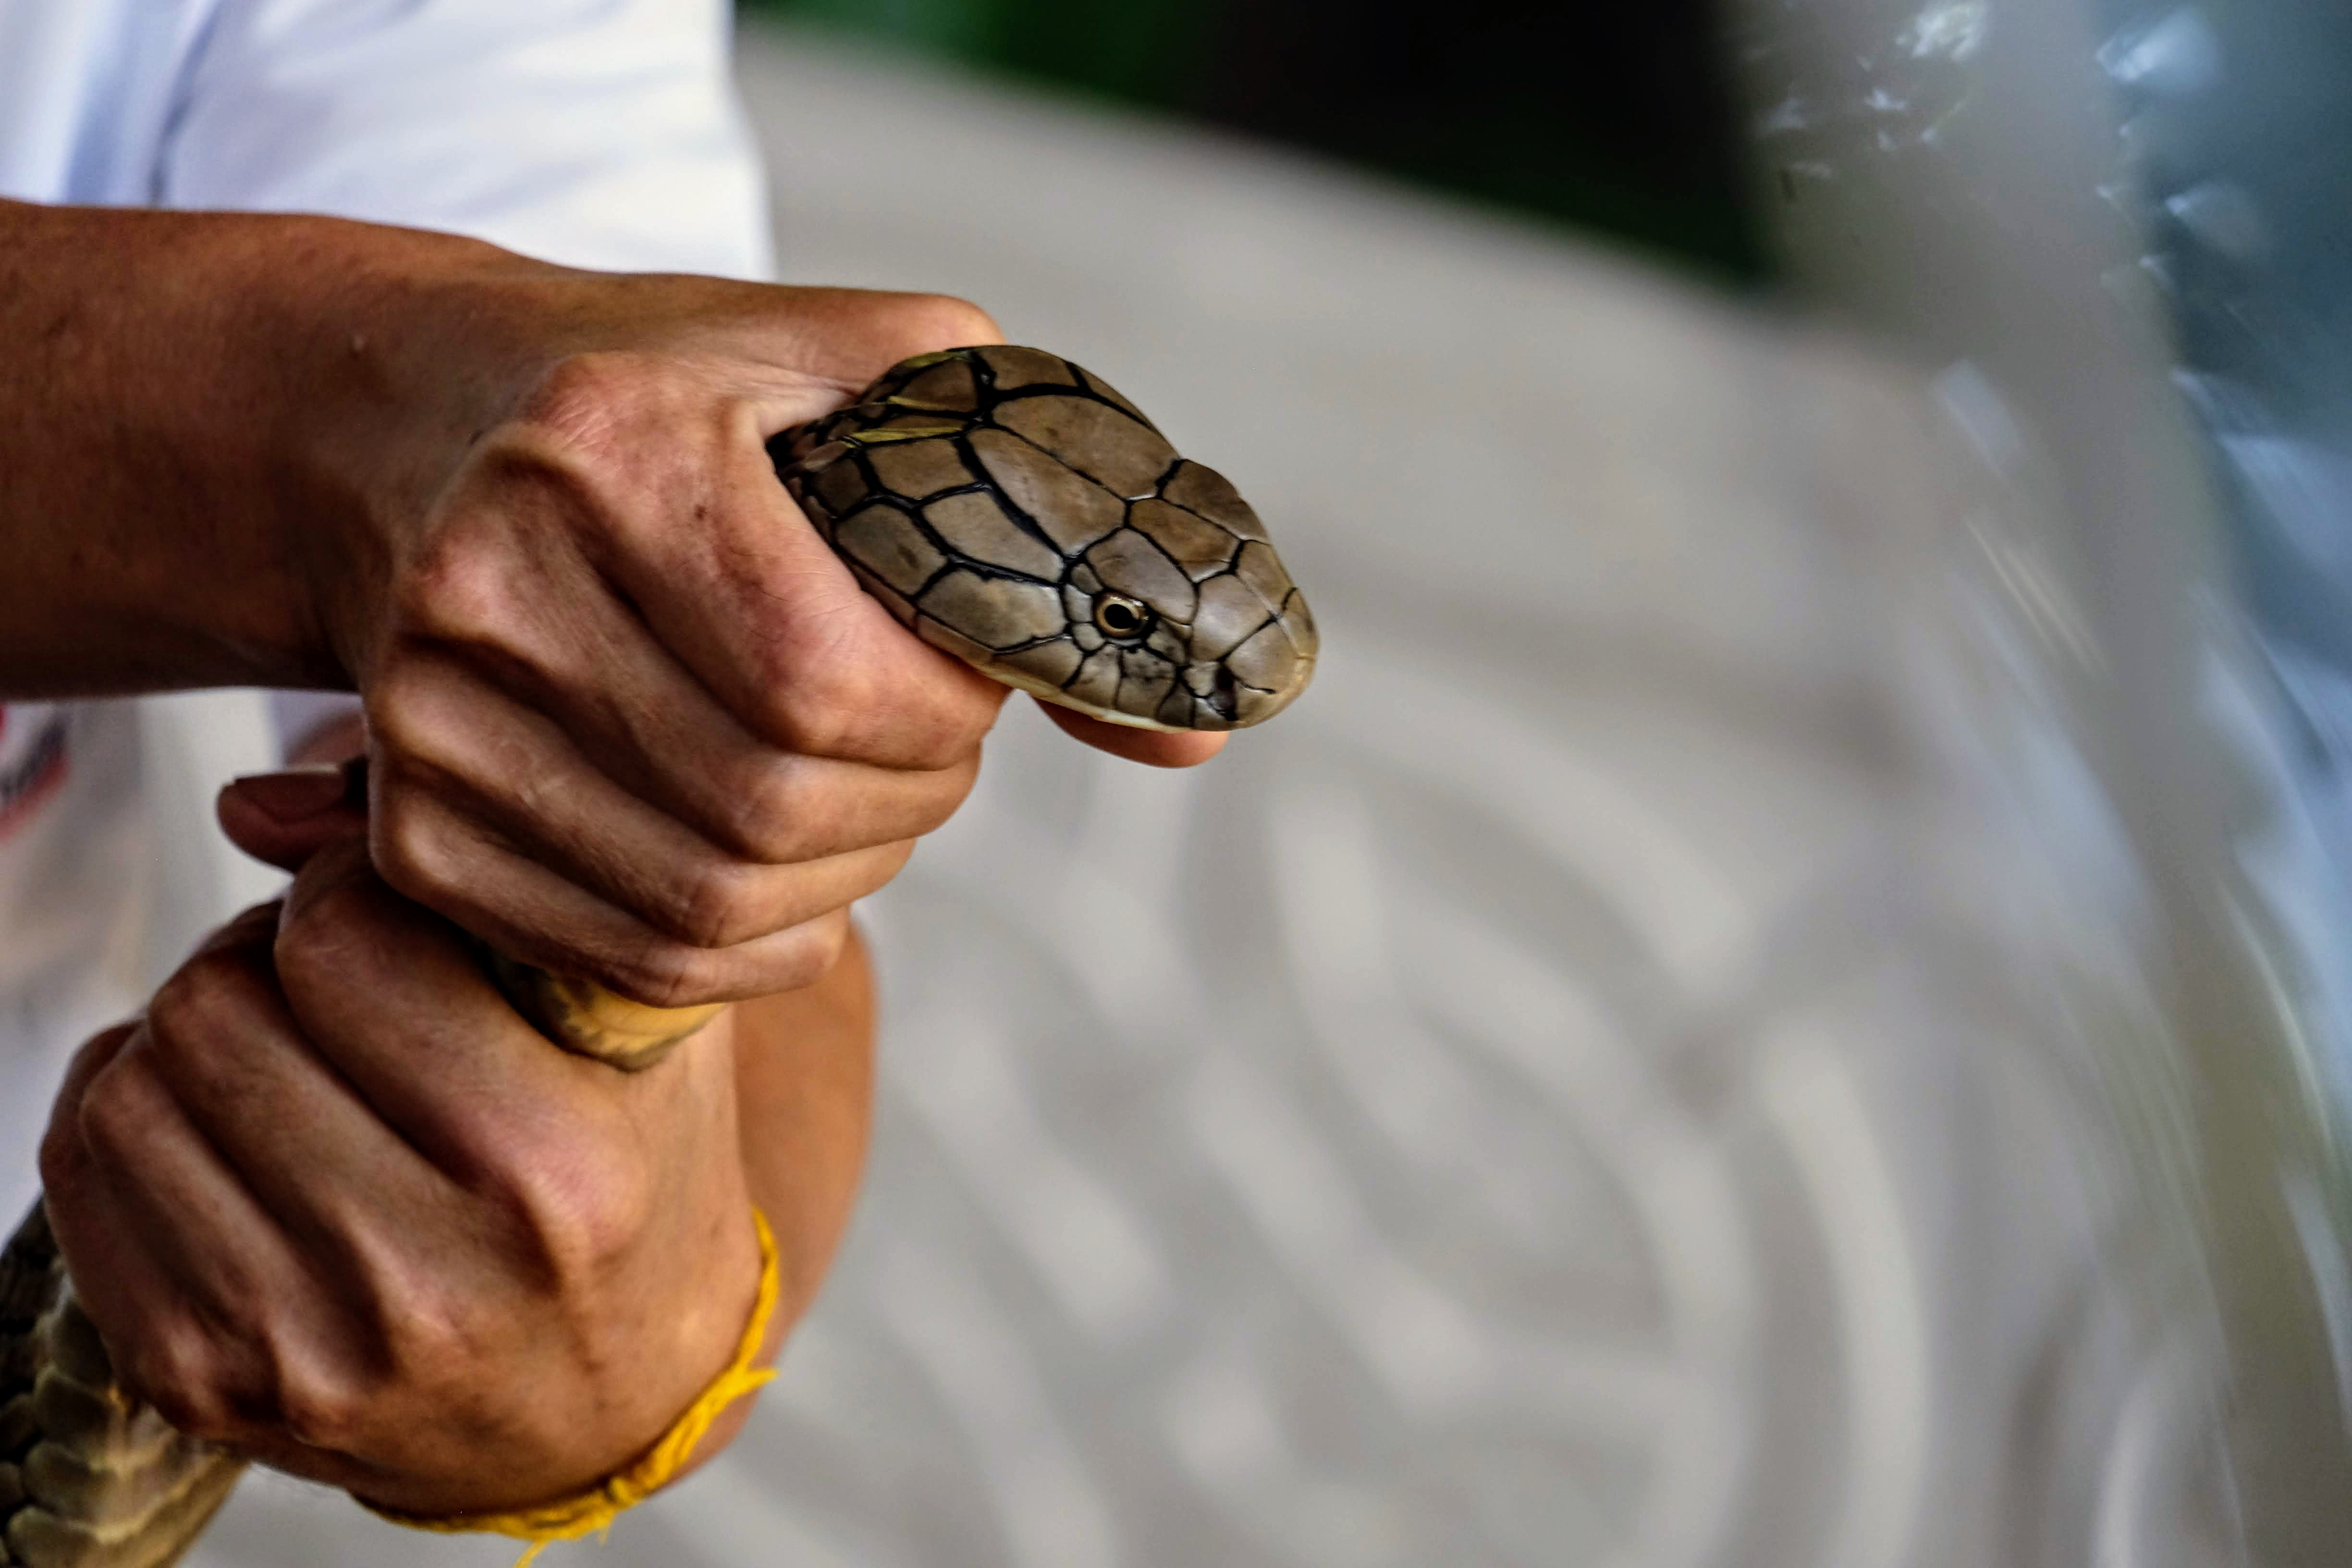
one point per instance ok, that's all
(598, 134)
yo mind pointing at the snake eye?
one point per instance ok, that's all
(1120, 617)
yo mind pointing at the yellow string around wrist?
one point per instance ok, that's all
(590, 1512)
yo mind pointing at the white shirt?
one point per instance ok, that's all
(594, 133)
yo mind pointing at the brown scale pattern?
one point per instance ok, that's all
(88, 1478)
(1005, 505)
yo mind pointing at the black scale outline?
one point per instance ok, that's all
(868, 412)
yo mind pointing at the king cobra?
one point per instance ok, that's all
(1007, 507)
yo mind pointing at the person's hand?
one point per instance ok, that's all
(631, 719)
(333, 1204)
(628, 715)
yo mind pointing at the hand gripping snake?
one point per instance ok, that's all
(1007, 507)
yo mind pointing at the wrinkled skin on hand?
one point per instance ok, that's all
(333, 1205)
(630, 718)
(329, 1202)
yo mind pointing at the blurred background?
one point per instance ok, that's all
(1615, 124)
(1780, 1001)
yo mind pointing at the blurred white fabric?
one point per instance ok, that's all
(616, 145)
(112, 882)
(1591, 1085)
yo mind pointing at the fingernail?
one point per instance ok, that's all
(295, 795)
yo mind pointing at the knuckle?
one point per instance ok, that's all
(585, 1209)
(117, 1117)
(665, 975)
(314, 948)
(576, 394)
(713, 905)
(175, 1366)
(459, 590)
(823, 709)
(205, 999)
(62, 1155)
(944, 794)
(251, 927)
(58, 1158)
(829, 941)
(421, 1328)
(760, 812)
(407, 843)
(932, 750)
(430, 1345)
(316, 1409)
(398, 719)
(837, 705)
(587, 427)
(414, 722)
(816, 947)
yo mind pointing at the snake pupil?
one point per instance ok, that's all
(1119, 616)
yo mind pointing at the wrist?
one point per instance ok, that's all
(706, 1425)
(226, 406)
(377, 375)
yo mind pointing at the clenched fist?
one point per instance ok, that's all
(331, 1203)
(629, 717)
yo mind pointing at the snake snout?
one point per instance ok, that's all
(1261, 675)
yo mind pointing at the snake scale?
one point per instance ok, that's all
(1006, 507)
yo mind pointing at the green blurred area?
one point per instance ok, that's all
(1140, 50)
(1611, 123)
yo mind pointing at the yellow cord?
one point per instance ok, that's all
(595, 1510)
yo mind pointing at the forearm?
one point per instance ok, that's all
(179, 395)
(805, 1082)
(804, 1087)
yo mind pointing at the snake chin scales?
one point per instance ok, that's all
(1017, 512)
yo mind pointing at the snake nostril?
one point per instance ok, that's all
(1221, 696)
(1120, 617)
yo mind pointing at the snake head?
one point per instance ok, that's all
(1017, 512)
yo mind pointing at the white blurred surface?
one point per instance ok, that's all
(1592, 1084)
(191, 743)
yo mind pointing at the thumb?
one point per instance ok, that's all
(287, 817)
(1160, 748)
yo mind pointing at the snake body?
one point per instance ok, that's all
(1006, 507)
